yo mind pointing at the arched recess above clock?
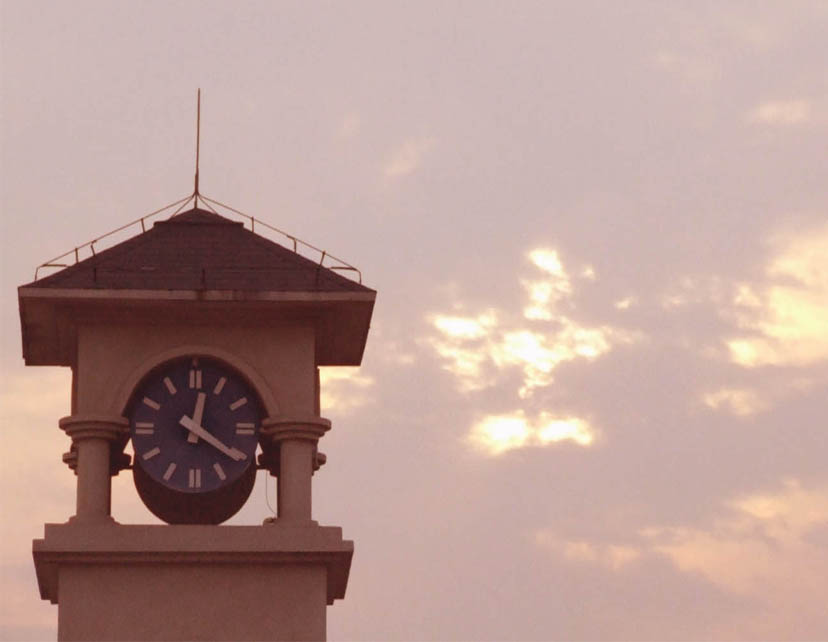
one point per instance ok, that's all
(246, 370)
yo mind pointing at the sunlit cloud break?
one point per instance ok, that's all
(785, 320)
(498, 434)
(545, 293)
(477, 348)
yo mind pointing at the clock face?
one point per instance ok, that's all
(195, 426)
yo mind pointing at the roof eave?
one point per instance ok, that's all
(343, 318)
(81, 294)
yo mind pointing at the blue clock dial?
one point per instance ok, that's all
(195, 425)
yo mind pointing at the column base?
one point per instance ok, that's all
(91, 520)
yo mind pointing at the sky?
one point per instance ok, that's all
(593, 400)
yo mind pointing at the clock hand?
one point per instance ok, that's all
(193, 427)
(197, 414)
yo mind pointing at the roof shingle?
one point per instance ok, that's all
(199, 250)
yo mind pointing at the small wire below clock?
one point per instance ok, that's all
(267, 494)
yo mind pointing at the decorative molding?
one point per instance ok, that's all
(283, 427)
(108, 427)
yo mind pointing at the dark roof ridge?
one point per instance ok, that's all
(198, 216)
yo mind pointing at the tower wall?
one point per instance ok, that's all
(111, 356)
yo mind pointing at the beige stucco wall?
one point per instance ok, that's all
(279, 360)
(200, 601)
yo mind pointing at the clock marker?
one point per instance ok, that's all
(195, 379)
(144, 427)
(152, 404)
(219, 386)
(238, 403)
(243, 428)
(152, 453)
(170, 470)
(219, 471)
(195, 478)
(168, 382)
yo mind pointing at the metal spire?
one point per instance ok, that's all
(198, 142)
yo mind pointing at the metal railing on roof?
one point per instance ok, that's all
(298, 244)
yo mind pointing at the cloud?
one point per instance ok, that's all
(408, 157)
(498, 434)
(545, 293)
(784, 321)
(485, 349)
(626, 303)
(693, 290)
(344, 389)
(780, 112)
(611, 556)
(767, 548)
(462, 343)
(764, 542)
(37, 487)
(737, 401)
(477, 348)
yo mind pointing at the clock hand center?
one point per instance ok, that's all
(193, 427)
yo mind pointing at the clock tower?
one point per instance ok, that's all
(198, 342)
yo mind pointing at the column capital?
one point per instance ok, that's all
(95, 456)
(286, 427)
(108, 427)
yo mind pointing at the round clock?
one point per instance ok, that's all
(194, 424)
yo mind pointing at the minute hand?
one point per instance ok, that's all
(193, 427)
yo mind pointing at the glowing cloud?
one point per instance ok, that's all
(612, 556)
(465, 327)
(343, 389)
(780, 112)
(548, 261)
(408, 157)
(738, 401)
(476, 348)
(786, 319)
(761, 543)
(462, 346)
(546, 292)
(550, 430)
(498, 434)
(766, 546)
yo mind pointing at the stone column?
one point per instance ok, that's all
(295, 440)
(92, 440)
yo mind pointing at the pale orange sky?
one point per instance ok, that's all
(593, 402)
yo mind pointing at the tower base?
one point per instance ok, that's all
(131, 582)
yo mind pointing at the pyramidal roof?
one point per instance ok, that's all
(199, 250)
(196, 264)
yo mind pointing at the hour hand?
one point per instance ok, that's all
(197, 414)
(193, 427)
